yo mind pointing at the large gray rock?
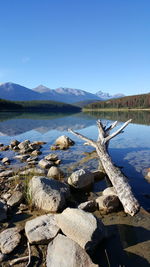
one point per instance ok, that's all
(24, 145)
(9, 239)
(45, 164)
(41, 229)
(81, 179)
(64, 141)
(63, 251)
(109, 191)
(55, 172)
(3, 210)
(15, 199)
(82, 227)
(48, 194)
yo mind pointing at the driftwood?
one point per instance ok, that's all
(118, 180)
(22, 259)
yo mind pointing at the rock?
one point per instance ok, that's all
(32, 163)
(36, 153)
(15, 199)
(63, 251)
(81, 179)
(64, 142)
(109, 191)
(4, 148)
(33, 171)
(45, 164)
(89, 206)
(2, 257)
(6, 195)
(24, 145)
(35, 158)
(7, 173)
(3, 210)
(48, 194)
(9, 239)
(14, 143)
(57, 162)
(23, 207)
(23, 157)
(81, 226)
(38, 143)
(51, 157)
(1, 144)
(5, 160)
(99, 175)
(42, 229)
(108, 203)
(55, 172)
(54, 147)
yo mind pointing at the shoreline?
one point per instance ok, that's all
(117, 109)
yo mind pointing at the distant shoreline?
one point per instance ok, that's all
(116, 109)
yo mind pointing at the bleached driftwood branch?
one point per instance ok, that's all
(118, 180)
(22, 259)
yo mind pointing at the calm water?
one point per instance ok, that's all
(130, 150)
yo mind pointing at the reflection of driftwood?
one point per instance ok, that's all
(116, 177)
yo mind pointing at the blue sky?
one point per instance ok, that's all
(86, 44)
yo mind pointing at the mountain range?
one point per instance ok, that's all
(16, 92)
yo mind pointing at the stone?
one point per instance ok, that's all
(33, 171)
(45, 164)
(109, 191)
(6, 160)
(62, 251)
(57, 162)
(9, 240)
(24, 145)
(82, 227)
(23, 157)
(36, 153)
(6, 173)
(15, 199)
(3, 211)
(1, 144)
(108, 203)
(99, 175)
(81, 179)
(89, 206)
(55, 172)
(2, 257)
(64, 142)
(51, 157)
(48, 194)
(14, 143)
(35, 158)
(42, 229)
(6, 195)
(4, 148)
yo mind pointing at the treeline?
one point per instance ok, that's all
(135, 101)
(37, 106)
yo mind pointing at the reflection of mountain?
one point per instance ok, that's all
(44, 124)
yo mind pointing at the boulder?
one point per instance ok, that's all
(3, 210)
(51, 157)
(108, 203)
(55, 172)
(45, 164)
(82, 227)
(24, 145)
(89, 206)
(81, 179)
(64, 142)
(9, 239)
(48, 194)
(15, 199)
(42, 229)
(109, 191)
(63, 251)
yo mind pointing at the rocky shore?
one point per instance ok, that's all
(47, 217)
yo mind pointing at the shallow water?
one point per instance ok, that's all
(130, 150)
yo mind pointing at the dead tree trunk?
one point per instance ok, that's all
(118, 180)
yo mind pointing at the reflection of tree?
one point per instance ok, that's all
(139, 117)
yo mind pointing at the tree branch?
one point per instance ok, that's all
(89, 141)
(101, 132)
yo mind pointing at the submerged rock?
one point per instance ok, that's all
(48, 194)
(63, 251)
(9, 239)
(82, 227)
(81, 179)
(42, 229)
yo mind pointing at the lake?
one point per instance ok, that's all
(130, 150)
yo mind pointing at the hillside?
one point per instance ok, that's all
(37, 106)
(135, 101)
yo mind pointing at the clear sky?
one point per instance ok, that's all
(85, 44)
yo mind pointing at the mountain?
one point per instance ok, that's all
(13, 91)
(106, 96)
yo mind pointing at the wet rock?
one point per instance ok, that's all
(38, 143)
(57, 162)
(33, 171)
(109, 191)
(64, 142)
(6, 173)
(36, 153)
(9, 240)
(108, 203)
(63, 251)
(42, 229)
(6, 160)
(23, 157)
(15, 199)
(55, 172)
(81, 179)
(48, 194)
(35, 158)
(89, 206)
(14, 143)
(54, 147)
(81, 226)
(4, 148)
(51, 157)
(24, 145)
(3, 210)
(32, 163)
(45, 164)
